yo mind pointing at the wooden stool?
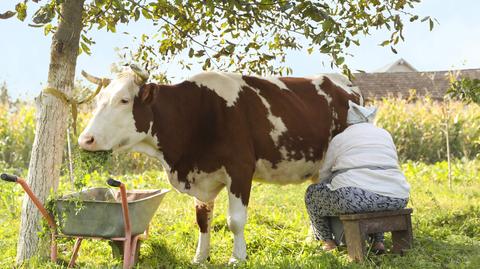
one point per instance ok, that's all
(357, 227)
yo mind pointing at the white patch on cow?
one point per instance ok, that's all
(203, 186)
(334, 114)
(276, 81)
(225, 85)
(344, 83)
(203, 248)
(279, 126)
(237, 218)
(317, 81)
(203, 245)
(286, 171)
(332, 128)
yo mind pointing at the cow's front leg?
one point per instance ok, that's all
(237, 218)
(204, 212)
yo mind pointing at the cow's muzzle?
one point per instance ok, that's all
(87, 142)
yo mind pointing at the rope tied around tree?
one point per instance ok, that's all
(73, 102)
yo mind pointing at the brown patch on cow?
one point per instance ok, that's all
(197, 131)
(202, 217)
(146, 93)
(305, 114)
(339, 104)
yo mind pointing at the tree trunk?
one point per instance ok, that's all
(51, 124)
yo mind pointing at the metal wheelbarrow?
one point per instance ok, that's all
(119, 216)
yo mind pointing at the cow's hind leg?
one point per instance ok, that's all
(204, 213)
(237, 218)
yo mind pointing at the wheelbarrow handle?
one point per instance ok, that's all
(114, 183)
(33, 197)
(9, 178)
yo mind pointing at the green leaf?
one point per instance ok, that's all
(207, 64)
(111, 27)
(425, 18)
(47, 29)
(146, 14)
(431, 24)
(339, 61)
(385, 43)
(191, 52)
(7, 14)
(21, 9)
(85, 48)
(199, 53)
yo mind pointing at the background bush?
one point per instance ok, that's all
(418, 129)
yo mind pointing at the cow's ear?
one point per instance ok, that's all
(146, 93)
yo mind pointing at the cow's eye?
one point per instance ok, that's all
(124, 101)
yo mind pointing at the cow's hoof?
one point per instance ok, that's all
(235, 260)
(200, 260)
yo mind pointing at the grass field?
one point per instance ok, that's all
(446, 225)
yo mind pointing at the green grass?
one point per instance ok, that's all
(446, 225)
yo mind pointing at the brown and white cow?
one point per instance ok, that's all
(221, 130)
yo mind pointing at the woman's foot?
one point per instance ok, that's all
(329, 245)
(378, 248)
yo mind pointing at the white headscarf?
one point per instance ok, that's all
(359, 114)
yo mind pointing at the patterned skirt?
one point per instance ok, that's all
(322, 203)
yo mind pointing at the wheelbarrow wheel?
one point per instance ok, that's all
(117, 250)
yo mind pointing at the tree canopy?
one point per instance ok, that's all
(251, 36)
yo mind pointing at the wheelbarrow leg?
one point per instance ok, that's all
(118, 251)
(135, 250)
(53, 248)
(127, 246)
(76, 247)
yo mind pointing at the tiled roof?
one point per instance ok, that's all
(398, 84)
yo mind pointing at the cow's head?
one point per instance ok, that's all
(112, 126)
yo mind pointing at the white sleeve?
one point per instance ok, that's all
(329, 160)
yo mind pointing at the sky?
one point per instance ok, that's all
(453, 44)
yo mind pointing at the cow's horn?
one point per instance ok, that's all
(96, 80)
(141, 75)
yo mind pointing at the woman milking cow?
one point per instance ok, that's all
(360, 173)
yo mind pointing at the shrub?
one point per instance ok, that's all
(419, 128)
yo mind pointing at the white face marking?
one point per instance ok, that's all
(225, 85)
(112, 125)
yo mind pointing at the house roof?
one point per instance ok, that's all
(398, 84)
(400, 65)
